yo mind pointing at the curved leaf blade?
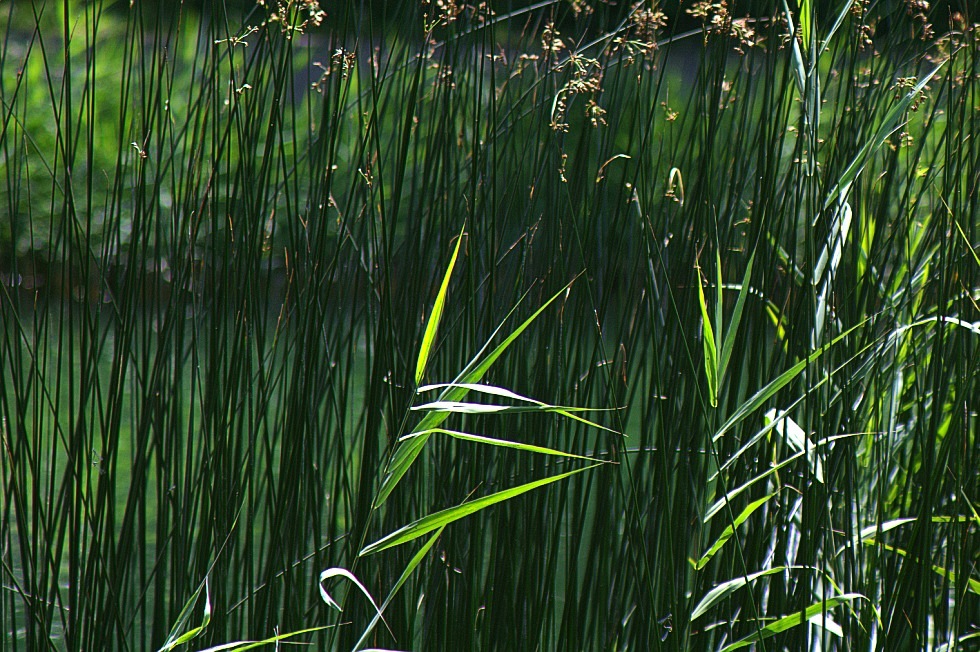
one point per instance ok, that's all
(406, 454)
(793, 620)
(444, 517)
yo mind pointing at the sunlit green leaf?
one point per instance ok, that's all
(729, 343)
(409, 569)
(725, 589)
(502, 443)
(730, 530)
(406, 453)
(176, 638)
(433, 324)
(793, 620)
(442, 518)
(710, 350)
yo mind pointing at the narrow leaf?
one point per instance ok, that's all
(346, 574)
(710, 351)
(972, 584)
(412, 565)
(729, 343)
(565, 411)
(241, 646)
(832, 249)
(407, 453)
(889, 124)
(731, 495)
(719, 307)
(781, 381)
(433, 324)
(794, 435)
(725, 589)
(793, 620)
(176, 639)
(844, 13)
(504, 443)
(730, 530)
(444, 517)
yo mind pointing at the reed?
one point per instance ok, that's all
(241, 383)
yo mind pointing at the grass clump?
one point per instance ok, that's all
(222, 236)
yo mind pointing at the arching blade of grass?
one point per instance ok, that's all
(432, 326)
(347, 575)
(409, 569)
(730, 530)
(725, 589)
(566, 411)
(793, 620)
(444, 517)
(719, 504)
(486, 408)
(972, 584)
(781, 381)
(406, 453)
(729, 343)
(241, 646)
(503, 443)
(463, 407)
(841, 16)
(177, 639)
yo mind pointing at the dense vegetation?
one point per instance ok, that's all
(291, 300)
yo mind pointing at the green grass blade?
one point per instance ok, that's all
(409, 569)
(719, 308)
(781, 381)
(794, 435)
(844, 13)
(241, 646)
(432, 327)
(729, 343)
(730, 530)
(966, 241)
(505, 443)
(407, 453)
(710, 350)
(486, 408)
(799, 67)
(565, 411)
(793, 620)
(728, 497)
(174, 639)
(830, 255)
(972, 585)
(806, 23)
(346, 574)
(444, 517)
(476, 374)
(725, 589)
(890, 123)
